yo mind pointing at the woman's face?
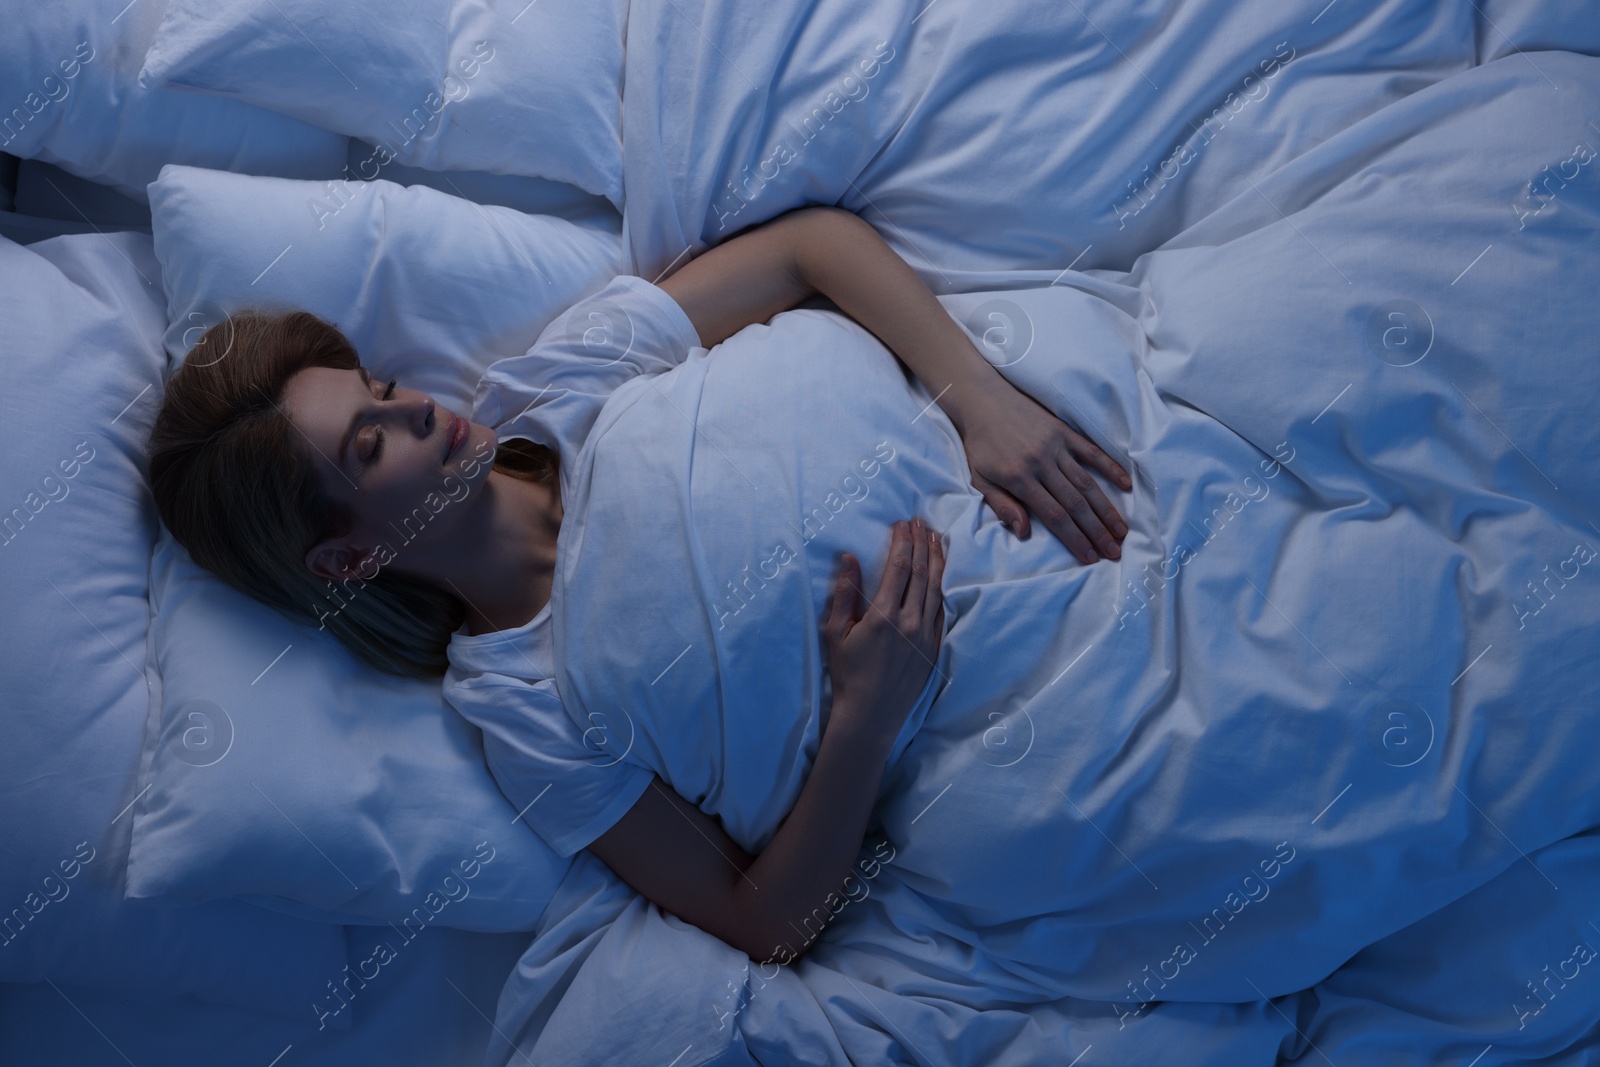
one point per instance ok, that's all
(387, 455)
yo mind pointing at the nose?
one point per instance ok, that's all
(416, 408)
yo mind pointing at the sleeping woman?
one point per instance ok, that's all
(283, 466)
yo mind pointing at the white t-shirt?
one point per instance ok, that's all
(569, 790)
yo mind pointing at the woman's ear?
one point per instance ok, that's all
(337, 560)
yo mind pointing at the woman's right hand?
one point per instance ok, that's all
(879, 659)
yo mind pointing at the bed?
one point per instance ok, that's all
(1304, 777)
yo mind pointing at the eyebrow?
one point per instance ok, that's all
(355, 421)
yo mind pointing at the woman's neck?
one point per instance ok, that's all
(510, 568)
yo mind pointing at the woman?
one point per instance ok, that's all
(283, 467)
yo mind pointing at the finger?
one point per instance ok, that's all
(933, 603)
(842, 604)
(1063, 511)
(1084, 482)
(1092, 454)
(1007, 508)
(917, 587)
(892, 586)
(1071, 485)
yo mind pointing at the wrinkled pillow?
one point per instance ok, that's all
(69, 95)
(509, 87)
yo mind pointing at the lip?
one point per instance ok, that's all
(458, 435)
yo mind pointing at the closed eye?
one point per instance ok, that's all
(377, 447)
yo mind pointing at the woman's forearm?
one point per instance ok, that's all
(783, 897)
(831, 251)
(839, 255)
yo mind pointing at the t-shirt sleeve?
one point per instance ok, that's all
(568, 791)
(554, 392)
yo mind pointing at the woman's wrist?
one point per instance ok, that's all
(861, 726)
(973, 397)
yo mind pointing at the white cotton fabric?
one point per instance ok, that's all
(70, 95)
(504, 683)
(1325, 534)
(1338, 682)
(569, 789)
(503, 86)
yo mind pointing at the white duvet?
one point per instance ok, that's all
(1340, 678)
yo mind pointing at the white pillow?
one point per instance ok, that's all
(349, 795)
(505, 86)
(532, 196)
(425, 284)
(81, 376)
(377, 772)
(70, 93)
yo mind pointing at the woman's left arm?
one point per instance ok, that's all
(1022, 457)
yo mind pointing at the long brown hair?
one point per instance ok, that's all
(238, 488)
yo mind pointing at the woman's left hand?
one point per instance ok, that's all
(1023, 458)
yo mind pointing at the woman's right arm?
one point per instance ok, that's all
(681, 859)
